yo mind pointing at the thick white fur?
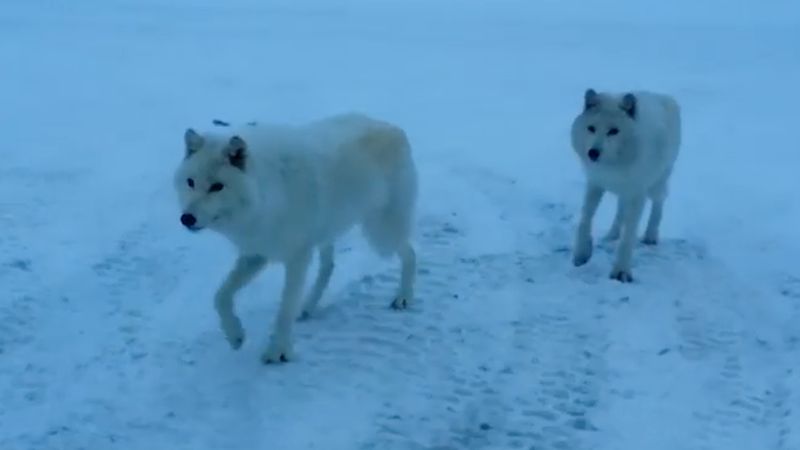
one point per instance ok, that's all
(635, 163)
(291, 189)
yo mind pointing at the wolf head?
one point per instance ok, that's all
(212, 184)
(602, 131)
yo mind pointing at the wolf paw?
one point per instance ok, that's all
(579, 259)
(582, 254)
(650, 240)
(279, 351)
(399, 303)
(307, 312)
(583, 251)
(234, 333)
(621, 275)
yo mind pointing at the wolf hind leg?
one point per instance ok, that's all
(654, 222)
(616, 226)
(405, 292)
(622, 263)
(324, 273)
(658, 196)
(388, 231)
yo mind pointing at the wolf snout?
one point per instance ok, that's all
(188, 220)
(593, 154)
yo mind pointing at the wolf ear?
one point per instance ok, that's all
(193, 141)
(590, 99)
(628, 104)
(236, 152)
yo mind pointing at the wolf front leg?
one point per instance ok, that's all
(245, 269)
(280, 346)
(632, 213)
(582, 251)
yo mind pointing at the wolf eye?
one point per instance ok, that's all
(591, 128)
(190, 182)
(613, 131)
(216, 187)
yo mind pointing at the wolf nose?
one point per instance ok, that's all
(594, 154)
(188, 220)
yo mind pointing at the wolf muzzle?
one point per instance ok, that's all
(188, 220)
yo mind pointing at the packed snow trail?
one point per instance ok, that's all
(510, 348)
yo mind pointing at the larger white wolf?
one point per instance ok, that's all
(278, 192)
(627, 144)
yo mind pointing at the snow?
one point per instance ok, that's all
(107, 334)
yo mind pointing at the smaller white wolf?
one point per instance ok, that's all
(627, 144)
(279, 191)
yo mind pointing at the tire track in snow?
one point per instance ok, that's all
(429, 377)
(355, 346)
(742, 372)
(503, 350)
(745, 380)
(29, 246)
(422, 364)
(682, 287)
(787, 398)
(509, 369)
(94, 349)
(26, 229)
(557, 342)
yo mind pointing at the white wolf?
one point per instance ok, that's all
(627, 144)
(278, 192)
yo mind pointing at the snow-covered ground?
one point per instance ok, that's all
(108, 338)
